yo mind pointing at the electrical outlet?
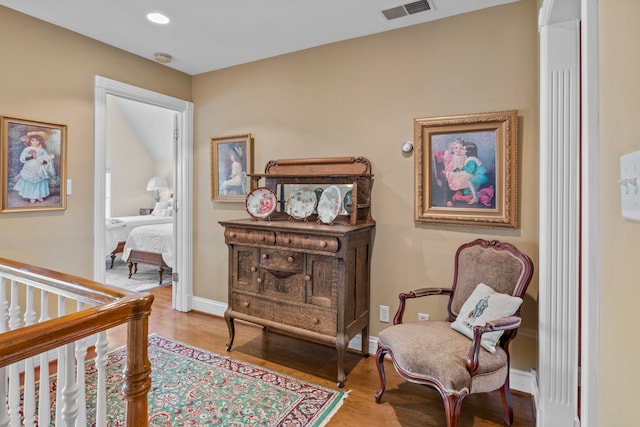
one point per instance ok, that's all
(423, 316)
(384, 313)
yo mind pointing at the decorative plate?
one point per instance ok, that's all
(301, 203)
(330, 204)
(261, 202)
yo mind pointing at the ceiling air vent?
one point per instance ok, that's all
(406, 9)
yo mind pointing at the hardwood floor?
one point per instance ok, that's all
(404, 404)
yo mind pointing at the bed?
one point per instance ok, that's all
(150, 244)
(118, 230)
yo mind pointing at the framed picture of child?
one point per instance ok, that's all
(466, 169)
(32, 165)
(231, 161)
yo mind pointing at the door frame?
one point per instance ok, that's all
(182, 293)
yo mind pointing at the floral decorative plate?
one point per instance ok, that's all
(301, 203)
(261, 202)
(330, 204)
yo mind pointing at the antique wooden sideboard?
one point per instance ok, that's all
(300, 276)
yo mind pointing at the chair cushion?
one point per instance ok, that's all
(484, 305)
(432, 351)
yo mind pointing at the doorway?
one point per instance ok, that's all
(182, 288)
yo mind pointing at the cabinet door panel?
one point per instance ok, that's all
(322, 286)
(246, 271)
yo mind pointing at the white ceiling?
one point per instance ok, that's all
(207, 35)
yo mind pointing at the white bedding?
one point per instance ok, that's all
(118, 229)
(151, 238)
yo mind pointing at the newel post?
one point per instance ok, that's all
(137, 379)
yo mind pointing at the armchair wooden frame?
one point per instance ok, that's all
(453, 398)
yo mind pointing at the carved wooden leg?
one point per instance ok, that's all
(341, 345)
(383, 379)
(232, 330)
(505, 393)
(113, 258)
(452, 406)
(365, 341)
(130, 269)
(160, 271)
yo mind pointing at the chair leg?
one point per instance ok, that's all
(452, 406)
(505, 393)
(380, 364)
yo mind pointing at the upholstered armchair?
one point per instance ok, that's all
(469, 352)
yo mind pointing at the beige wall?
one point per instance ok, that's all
(619, 369)
(359, 98)
(47, 74)
(130, 164)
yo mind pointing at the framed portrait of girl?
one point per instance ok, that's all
(32, 165)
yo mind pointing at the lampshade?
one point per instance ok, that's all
(156, 183)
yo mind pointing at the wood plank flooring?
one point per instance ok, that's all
(404, 404)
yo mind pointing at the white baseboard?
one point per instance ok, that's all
(519, 380)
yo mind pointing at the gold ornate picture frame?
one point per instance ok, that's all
(32, 165)
(466, 169)
(231, 161)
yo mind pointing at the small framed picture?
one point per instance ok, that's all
(231, 161)
(466, 169)
(32, 165)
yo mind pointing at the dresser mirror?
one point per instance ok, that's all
(285, 192)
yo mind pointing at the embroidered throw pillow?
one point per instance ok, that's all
(482, 306)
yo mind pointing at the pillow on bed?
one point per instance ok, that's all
(482, 306)
(162, 209)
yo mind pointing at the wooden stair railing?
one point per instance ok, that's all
(100, 307)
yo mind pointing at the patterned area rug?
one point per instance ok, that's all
(194, 387)
(146, 278)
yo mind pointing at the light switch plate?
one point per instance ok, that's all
(629, 185)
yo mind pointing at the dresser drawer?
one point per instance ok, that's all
(307, 242)
(240, 235)
(279, 260)
(303, 316)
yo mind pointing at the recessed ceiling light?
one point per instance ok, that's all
(157, 18)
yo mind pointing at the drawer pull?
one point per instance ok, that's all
(259, 280)
(307, 278)
(232, 235)
(253, 269)
(290, 259)
(245, 304)
(323, 244)
(265, 256)
(315, 320)
(287, 240)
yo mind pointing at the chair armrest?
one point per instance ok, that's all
(418, 293)
(503, 324)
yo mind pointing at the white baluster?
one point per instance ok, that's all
(4, 306)
(101, 392)
(62, 363)
(14, 372)
(69, 402)
(44, 407)
(29, 389)
(81, 354)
